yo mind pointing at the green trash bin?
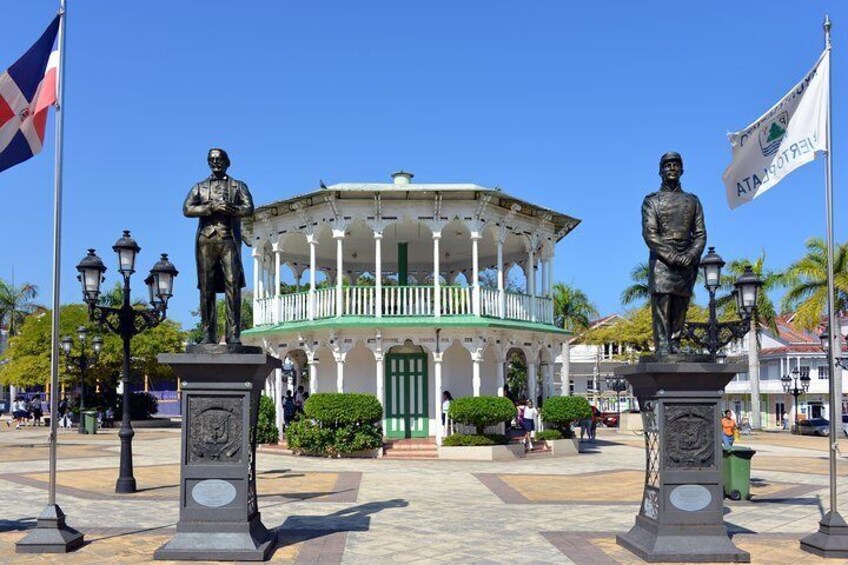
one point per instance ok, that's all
(90, 422)
(736, 471)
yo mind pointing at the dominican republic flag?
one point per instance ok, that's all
(27, 90)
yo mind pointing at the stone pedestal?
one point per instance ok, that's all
(681, 516)
(219, 514)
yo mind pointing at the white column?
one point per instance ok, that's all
(476, 361)
(340, 372)
(549, 380)
(255, 254)
(501, 379)
(437, 283)
(565, 369)
(545, 289)
(277, 259)
(313, 244)
(313, 376)
(378, 273)
(531, 282)
(475, 274)
(278, 399)
(437, 375)
(339, 235)
(531, 381)
(380, 378)
(501, 291)
(754, 376)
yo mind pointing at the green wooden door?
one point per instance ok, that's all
(406, 395)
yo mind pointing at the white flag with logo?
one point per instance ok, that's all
(789, 135)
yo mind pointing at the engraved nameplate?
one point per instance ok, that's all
(690, 498)
(213, 493)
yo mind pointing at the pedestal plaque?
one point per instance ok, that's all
(219, 515)
(681, 516)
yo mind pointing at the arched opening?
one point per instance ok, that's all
(326, 370)
(516, 373)
(360, 370)
(457, 372)
(490, 383)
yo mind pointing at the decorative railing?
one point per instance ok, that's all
(489, 300)
(517, 306)
(359, 301)
(398, 301)
(456, 300)
(544, 309)
(325, 303)
(294, 307)
(408, 301)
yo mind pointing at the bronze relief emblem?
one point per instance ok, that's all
(215, 430)
(690, 436)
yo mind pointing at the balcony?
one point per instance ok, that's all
(401, 302)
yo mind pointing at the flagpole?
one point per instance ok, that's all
(51, 534)
(832, 538)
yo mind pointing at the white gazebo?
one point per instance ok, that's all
(405, 290)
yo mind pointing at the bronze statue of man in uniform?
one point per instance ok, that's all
(673, 228)
(220, 202)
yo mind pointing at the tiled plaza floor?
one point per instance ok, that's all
(538, 510)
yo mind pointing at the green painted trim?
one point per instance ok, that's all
(403, 263)
(406, 322)
(411, 380)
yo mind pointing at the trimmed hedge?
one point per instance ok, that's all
(462, 440)
(549, 435)
(336, 423)
(336, 409)
(266, 426)
(558, 412)
(481, 411)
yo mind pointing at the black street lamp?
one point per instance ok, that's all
(127, 322)
(790, 386)
(617, 385)
(713, 335)
(82, 362)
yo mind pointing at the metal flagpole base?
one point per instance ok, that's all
(831, 540)
(51, 534)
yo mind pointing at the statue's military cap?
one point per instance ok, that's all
(671, 156)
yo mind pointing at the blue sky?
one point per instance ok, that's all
(568, 105)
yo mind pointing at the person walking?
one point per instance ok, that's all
(37, 410)
(529, 418)
(728, 429)
(288, 410)
(64, 414)
(446, 402)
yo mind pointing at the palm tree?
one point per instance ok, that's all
(16, 303)
(765, 314)
(638, 291)
(572, 311)
(807, 283)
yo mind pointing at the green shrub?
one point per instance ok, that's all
(335, 423)
(334, 409)
(558, 412)
(481, 411)
(549, 435)
(459, 440)
(142, 406)
(266, 427)
(307, 437)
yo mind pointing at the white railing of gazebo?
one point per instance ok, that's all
(456, 300)
(517, 306)
(359, 301)
(408, 301)
(489, 303)
(294, 307)
(544, 309)
(262, 311)
(325, 303)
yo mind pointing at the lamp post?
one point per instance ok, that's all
(713, 335)
(82, 362)
(790, 386)
(617, 385)
(127, 321)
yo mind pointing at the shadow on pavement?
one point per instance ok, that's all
(353, 519)
(17, 525)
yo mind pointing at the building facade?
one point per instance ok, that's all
(405, 290)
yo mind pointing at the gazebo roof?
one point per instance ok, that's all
(409, 191)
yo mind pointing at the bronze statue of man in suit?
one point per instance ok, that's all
(219, 202)
(673, 228)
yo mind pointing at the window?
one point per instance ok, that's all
(823, 372)
(590, 385)
(804, 371)
(571, 386)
